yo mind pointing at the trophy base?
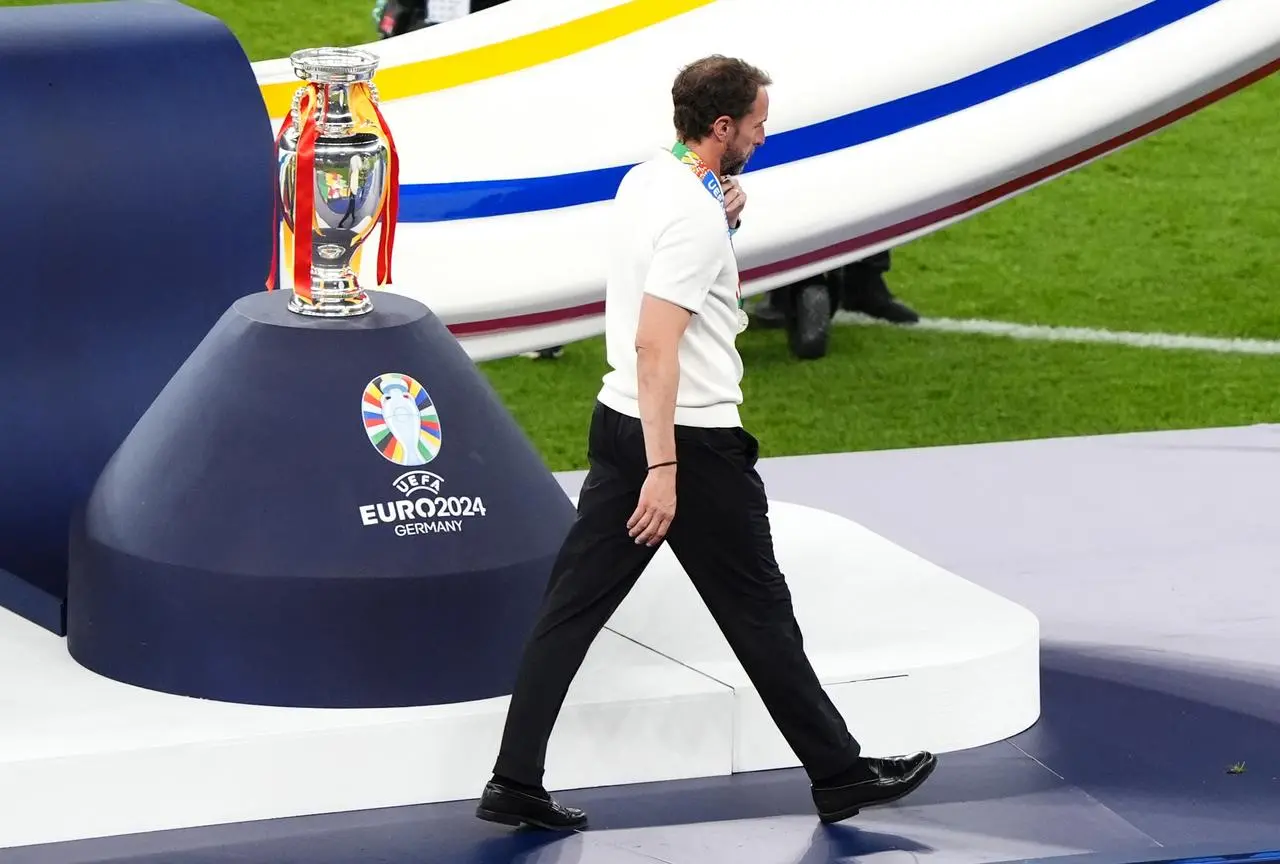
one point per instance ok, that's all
(334, 294)
(344, 306)
(261, 537)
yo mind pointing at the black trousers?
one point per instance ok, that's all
(722, 539)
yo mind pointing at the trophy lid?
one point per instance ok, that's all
(334, 65)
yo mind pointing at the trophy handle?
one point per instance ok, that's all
(295, 107)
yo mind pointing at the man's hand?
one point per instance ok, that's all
(657, 507)
(734, 200)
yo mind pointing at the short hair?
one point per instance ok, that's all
(712, 87)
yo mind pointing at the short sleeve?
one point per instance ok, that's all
(687, 258)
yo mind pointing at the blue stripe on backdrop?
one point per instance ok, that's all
(438, 202)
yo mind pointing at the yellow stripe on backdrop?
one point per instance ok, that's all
(512, 55)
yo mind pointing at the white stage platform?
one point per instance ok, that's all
(914, 657)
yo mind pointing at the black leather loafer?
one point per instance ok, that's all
(887, 780)
(511, 807)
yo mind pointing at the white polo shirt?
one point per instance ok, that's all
(667, 237)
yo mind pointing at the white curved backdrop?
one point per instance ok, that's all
(889, 119)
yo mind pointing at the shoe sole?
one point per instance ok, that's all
(517, 821)
(848, 812)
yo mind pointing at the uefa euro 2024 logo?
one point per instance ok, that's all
(401, 420)
(403, 425)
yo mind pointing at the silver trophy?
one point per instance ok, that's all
(335, 113)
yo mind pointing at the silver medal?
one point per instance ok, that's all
(743, 319)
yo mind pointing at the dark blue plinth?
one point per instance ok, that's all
(259, 537)
(138, 196)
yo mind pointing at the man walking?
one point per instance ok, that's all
(670, 461)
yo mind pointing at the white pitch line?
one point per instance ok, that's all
(1040, 333)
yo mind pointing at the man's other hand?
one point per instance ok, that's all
(734, 200)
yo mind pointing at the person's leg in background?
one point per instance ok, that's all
(554, 352)
(857, 287)
(396, 17)
(865, 291)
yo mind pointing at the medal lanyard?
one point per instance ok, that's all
(712, 185)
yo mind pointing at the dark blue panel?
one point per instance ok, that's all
(438, 202)
(1199, 853)
(250, 542)
(139, 191)
(1152, 739)
(34, 604)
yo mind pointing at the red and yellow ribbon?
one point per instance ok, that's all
(363, 106)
